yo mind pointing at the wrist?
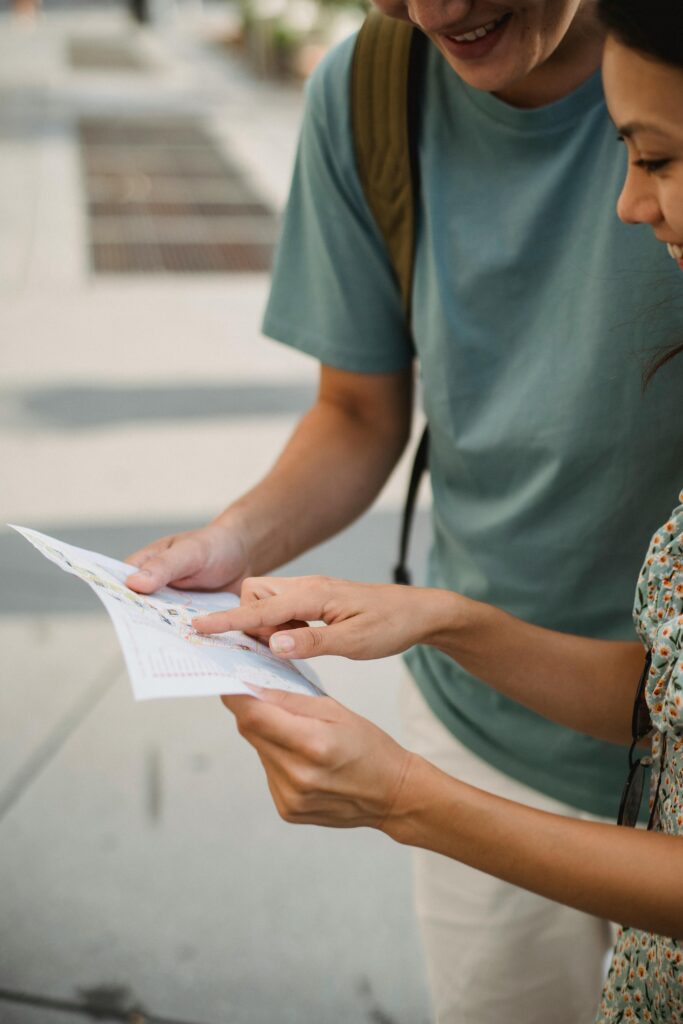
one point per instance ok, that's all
(451, 618)
(406, 822)
(235, 540)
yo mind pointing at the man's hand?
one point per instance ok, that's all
(212, 558)
(362, 620)
(325, 765)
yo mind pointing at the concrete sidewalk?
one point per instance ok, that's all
(144, 875)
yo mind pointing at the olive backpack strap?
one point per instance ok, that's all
(385, 78)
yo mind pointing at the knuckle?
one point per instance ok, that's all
(289, 805)
(315, 639)
(288, 814)
(246, 722)
(303, 782)
(317, 750)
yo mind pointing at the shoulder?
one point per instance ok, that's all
(659, 595)
(328, 88)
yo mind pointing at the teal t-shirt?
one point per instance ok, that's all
(533, 311)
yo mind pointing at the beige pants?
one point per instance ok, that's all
(497, 954)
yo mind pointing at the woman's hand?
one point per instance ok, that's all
(362, 620)
(328, 766)
(325, 765)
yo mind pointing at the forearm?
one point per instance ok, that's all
(600, 869)
(585, 684)
(330, 471)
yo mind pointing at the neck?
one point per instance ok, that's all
(573, 62)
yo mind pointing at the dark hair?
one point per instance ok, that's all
(658, 361)
(655, 27)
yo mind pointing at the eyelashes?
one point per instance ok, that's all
(649, 166)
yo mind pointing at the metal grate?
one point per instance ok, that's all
(162, 198)
(104, 54)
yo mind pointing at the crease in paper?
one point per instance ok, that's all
(164, 654)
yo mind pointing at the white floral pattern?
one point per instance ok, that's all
(645, 982)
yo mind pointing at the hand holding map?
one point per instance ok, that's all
(164, 654)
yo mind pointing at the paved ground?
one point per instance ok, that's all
(141, 863)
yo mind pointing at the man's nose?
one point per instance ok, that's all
(435, 15)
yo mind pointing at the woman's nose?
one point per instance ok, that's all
(638, 202)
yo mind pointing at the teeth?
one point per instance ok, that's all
(675, 251)
(477, 33)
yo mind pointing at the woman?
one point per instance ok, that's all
(327, 766)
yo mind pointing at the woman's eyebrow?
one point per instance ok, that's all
(634, 127)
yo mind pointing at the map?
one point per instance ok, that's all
(164, 654)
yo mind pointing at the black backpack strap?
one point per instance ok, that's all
(386, 74)
(401, 573)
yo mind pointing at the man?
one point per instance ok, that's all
(542, 448)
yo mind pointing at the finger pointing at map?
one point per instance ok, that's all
(360, 620)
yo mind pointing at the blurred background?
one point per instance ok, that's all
(145, 152)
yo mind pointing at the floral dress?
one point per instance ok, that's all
(645, 981)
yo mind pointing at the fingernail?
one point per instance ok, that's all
(281, 643)
(142, 572)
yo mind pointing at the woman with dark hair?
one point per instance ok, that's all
(328, 766)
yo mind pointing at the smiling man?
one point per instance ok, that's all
(547, 463)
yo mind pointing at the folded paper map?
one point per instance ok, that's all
(164, 654)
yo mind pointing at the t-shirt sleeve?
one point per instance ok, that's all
(333, 292)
